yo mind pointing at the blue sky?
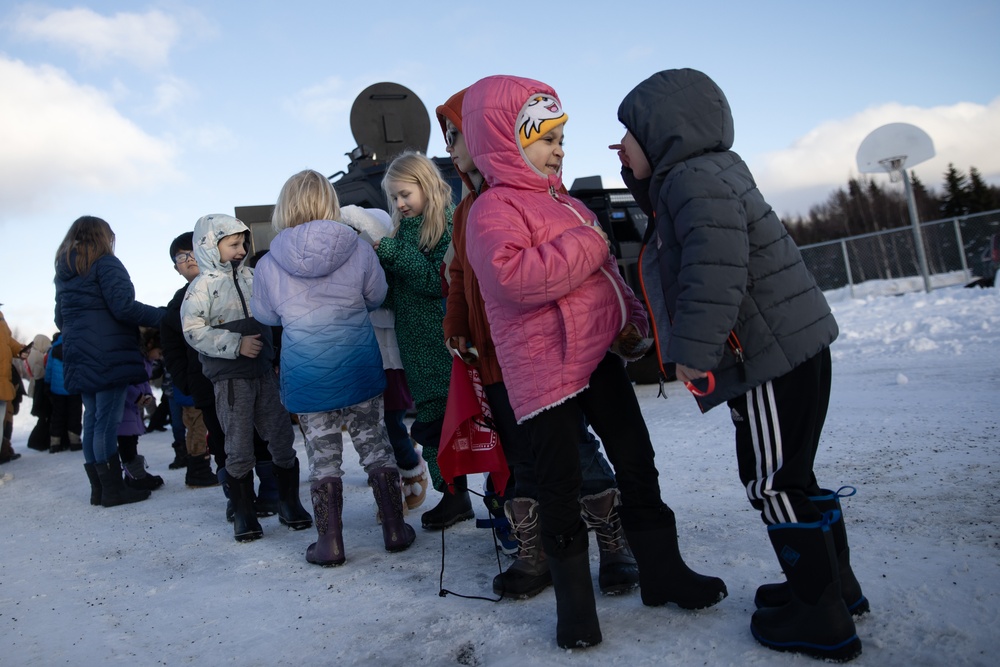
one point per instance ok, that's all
(153, 114)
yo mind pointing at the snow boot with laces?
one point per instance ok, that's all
(618, 573)
(775, 595)
(529, 574)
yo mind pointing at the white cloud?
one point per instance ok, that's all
(142, 39)
(965, 134)
(326, 105)
(57, 135)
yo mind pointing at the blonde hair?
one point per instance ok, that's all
(306, 196)
(412, 167)
(90, 238)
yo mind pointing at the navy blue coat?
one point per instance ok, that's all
(99, 318)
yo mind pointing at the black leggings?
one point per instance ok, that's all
(610, 406)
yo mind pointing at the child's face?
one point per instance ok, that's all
(455, 145)
(631, 155)
(546, 154)
(408, 198)
(231, 248)
(185, 264)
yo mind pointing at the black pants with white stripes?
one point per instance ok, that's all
(778, 426)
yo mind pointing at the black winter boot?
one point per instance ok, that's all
(224, 483)
(199, 472)
(328, 507)
(396, 533)
(180, 455)
(577, 625)
(245, 524)
(663, 575)
(529, 574)
(267, 502)
(618, 573)
(95, 483)
(113, 489)
(452, 508)
(291, 513)
(775, 595)
(816, 620)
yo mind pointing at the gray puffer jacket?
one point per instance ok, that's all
(726, 285)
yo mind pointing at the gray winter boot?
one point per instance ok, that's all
(529, 574)
(136, 476)
(618, 573)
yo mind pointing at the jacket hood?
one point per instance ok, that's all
(452, 110)
(374, 222)
(314, 249)
(211, 229)
(490, 110)
(675, 115)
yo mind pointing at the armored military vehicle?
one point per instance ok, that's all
(387, 119)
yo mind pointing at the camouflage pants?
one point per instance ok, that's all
(325, 442)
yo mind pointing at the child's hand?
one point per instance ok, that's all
(463, 349)
(250, 346)
(597, 228)
(629, 345)
(685, 374)
(145, 400)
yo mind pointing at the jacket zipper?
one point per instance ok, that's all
(243, 301)
(618, 293)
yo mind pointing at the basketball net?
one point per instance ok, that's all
(894, 167)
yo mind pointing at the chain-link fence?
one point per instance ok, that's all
(958, 250)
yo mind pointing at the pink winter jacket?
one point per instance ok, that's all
(554, 297)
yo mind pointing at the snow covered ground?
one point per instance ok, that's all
(913, 425)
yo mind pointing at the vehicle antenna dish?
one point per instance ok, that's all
(387, 119)
(893, 148)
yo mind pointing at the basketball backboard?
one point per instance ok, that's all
(893, 148)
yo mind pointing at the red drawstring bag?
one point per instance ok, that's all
(469, 443)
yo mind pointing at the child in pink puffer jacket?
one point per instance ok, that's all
(563, 319)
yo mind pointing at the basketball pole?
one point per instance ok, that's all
(918, 239)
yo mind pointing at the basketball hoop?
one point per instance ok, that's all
(907, 146)
(894, 167)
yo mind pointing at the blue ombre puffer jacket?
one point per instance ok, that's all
(319, 283)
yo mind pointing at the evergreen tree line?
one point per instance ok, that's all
(867, 206)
